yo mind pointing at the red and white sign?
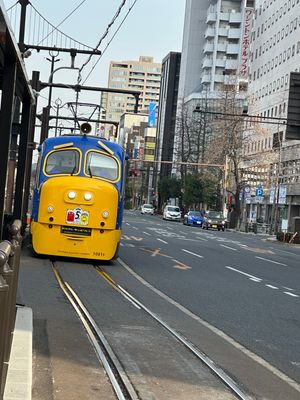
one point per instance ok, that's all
(248, 14)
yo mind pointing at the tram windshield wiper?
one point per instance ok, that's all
(90, 171)
(74, 169)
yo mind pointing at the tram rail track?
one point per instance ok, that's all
(120, 382)
(226, 380)
(115, 372)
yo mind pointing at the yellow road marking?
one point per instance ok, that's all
(180, 265)
(138, 239)
(126, 237)
(157, 252)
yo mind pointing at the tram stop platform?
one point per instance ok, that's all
(19, 377)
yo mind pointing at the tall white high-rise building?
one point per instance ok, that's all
(212, 45)
(215, 55)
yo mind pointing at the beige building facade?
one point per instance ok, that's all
(140, 75)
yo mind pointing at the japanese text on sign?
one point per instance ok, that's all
(246, 41)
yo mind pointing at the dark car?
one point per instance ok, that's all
(214, 220)
(193, 218)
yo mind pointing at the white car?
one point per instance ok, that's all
(147, 209)
(172, 213)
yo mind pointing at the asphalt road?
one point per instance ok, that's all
(234, 296)
(242, 284)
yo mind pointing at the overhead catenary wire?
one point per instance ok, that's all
(102, 37)
(12, 6)
(117, 30)
(55, 28)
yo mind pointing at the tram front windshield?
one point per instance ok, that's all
(101, 166)
(62, 162)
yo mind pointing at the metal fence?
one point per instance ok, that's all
(255, 227)
(10, 252)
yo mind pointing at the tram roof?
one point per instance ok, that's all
(78, 139)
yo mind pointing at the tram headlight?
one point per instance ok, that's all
(50, 209)
(87, 196)
(105, 214)
(72, 195)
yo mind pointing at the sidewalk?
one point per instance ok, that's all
(19, 377)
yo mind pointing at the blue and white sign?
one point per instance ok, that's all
(259, 191)
(152, 114)
(282, 194)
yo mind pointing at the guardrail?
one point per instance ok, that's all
(255, 227)
(10, 252)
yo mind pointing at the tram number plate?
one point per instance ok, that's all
(76, 230)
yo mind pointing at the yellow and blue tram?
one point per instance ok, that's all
(78, 198)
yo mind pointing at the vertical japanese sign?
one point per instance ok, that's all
(245, 47)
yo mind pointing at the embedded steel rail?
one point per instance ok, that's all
(117, 376)
(233, 386)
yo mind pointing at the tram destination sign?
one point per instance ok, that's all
(75, 230)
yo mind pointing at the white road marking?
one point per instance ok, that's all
(127, 224)
(162, 241)
(135, 228)
(288, 288)
(244, 273)
(193, 254)
(217, 331)
(255, 279)
(291, 294)
(227, 247)
(146, 233)
(271, 261)
(121, 244)
(271, 287)
(204, 240)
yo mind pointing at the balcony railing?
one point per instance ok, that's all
(211, 17)
(234, 33)
(208, 48)
(210, 33)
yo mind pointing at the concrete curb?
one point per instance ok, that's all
(19, 377)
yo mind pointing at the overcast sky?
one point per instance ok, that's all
(152, 28)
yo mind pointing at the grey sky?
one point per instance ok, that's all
(153, 28)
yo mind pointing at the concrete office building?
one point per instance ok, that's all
(214, 54)
(211, 50)
(275, 53)
(142, 75)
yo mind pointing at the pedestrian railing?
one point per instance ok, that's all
(10, 251)
(254, 227)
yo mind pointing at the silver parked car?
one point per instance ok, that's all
(147, 209)
(172, 213)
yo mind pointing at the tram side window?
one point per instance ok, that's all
(62, 162)
(102, 166)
